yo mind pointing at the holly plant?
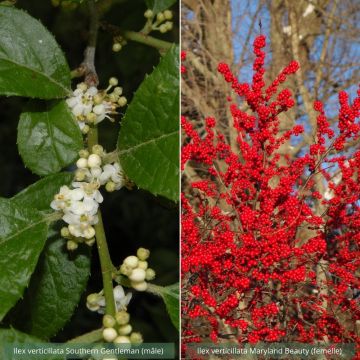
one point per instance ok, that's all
(49, 229)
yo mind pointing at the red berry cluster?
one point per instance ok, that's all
(267, 253)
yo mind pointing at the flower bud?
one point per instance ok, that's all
(122, 317)
(109, 334)
(168, 15)
(65, 233)
(92, 299)
(163, 28)
(125, 329)
(118, 90)
(169, 25)
(143, 253)
(110, 186)
(122, 340)
(136, 338)
(113, 97)
(98, 99)
(137, 275)
(116, 47)
(97, 149)
(91, 117)
(122, 101)
(148, 14)
(83, 153)
(80, 175)
(113, 81)
(89, 232)
(160, 17)
(71, 245)
(131, 261)
(125, 269)
(143, 265)
(82, 163)
(82, 86)
(150, 274)
(139, 286)
(85, 129)
(94, 161)
(90, 242)
(109, 322)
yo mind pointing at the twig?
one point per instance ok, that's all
(139, 37)
(88, 65)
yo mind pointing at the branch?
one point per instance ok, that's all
(139, 37)
(104, 255)
(88, 65)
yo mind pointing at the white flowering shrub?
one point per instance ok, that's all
(49, 229)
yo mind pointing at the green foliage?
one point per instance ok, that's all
(55, 288)
(170, 295)
(22, 237)
(40, 194)
(41, 282)
(31, 62)
(12, 336)
(159, 5)
(48, 137)
(148, 144)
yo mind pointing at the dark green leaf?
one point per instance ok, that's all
(48, 137)
(31, 62)
(10, 337)
(40, 194)
(148, 144)
(55, 288)
(22, 237)
(159, 5)
(170, 295)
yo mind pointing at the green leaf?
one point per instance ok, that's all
(55, 288)
(159, 5)
(48, 137)
(31, 62)
(10, 337)
(170, 295)
(22, 237)
(148, 143)
(40, 194)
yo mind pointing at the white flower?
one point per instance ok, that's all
(87, 206)
(102, 110)
(89, 191)
(114, 173)
(91, 91)
(93, 174)
(65, 198)
(121, 300)
(82, 230)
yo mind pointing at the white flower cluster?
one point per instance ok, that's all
(96, 301)
(137, 270)
(91, 106)
(79, 206)
(80, 203)
(90, 169)
(116, 329)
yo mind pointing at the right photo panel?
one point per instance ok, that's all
(270, 224)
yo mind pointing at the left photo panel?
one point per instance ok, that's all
(89, 192)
